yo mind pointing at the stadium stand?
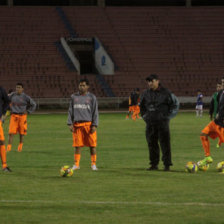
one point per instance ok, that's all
(184, 46)
(175, 43)
(28, 53)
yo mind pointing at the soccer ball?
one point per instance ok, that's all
(191, 167)
(220, 166)
(66, 171)
(202, 167)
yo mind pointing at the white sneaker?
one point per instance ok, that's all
(76, 167)
(93, 167)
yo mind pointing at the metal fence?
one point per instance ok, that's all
(62, 103)
(108, 102)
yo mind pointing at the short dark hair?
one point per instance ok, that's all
(84, 80)
(19, 84)
(151, 77)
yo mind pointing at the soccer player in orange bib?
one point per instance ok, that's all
(83, 121)
(134, 108)
(213, 130)
(4, 104)
(21, 104)
(136, 102)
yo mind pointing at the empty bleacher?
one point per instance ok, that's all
(184, 46)
(28, 52)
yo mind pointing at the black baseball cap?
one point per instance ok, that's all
(151, 77)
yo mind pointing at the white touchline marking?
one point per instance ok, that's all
(203, 204)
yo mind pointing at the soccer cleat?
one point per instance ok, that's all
(20, 147)
(206, 160)
(152, 168)
(76, 167)
(6, 169)
(166, 168)
(93, 167)
(9, 147)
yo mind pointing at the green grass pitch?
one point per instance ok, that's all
(121, 191)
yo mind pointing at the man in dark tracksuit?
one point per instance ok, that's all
(158, 105)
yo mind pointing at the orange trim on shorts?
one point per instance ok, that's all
(18, 124)
(136, 111)
(214, 131)
(131, 108)
(80, 124)
(82, 136)
(2, 137)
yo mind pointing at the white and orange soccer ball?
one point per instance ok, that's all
(66, 171)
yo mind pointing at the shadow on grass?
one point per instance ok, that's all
(126, 169)
(140, 172)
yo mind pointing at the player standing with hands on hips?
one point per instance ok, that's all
(83, 121)
(20, 105)
(158, 105)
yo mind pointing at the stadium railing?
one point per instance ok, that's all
(110, 103)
